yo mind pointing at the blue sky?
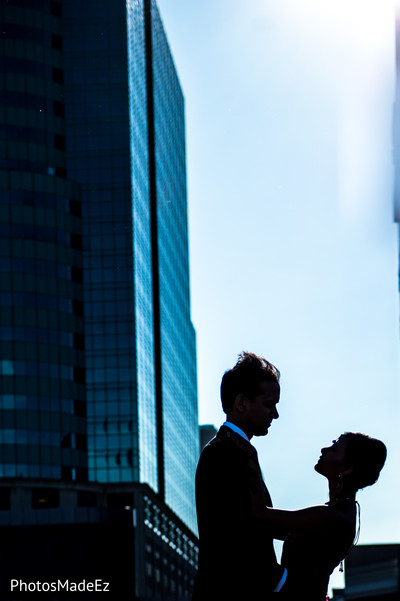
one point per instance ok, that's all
(293, 249)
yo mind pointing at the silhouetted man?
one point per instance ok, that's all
(236, 557)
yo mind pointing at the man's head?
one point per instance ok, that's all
(249, 394)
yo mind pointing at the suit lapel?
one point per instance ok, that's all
(226, 433)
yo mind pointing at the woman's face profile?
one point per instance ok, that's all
(333, 459)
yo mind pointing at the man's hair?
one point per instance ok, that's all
(245, 378)
(366, 456)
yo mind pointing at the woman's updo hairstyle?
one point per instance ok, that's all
(366, 456)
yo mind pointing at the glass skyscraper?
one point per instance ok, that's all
(42, 392)
(95, 250)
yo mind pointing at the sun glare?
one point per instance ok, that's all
(349, 21)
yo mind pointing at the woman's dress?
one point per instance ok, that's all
(310, 558)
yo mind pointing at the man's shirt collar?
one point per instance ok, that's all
(237, 430)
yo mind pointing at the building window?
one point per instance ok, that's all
(43, 498)
(77, 274)
(120, 499)
(59, 108)
(77, 307)
(58, 75)
(56, 42)
(79, 341)
(59, 142)
(55, 9)
(79, 374)
(87, 499)
(5, 498)
(76, 241)
(75, 207)
(80, 408)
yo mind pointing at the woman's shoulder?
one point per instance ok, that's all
(326, 517)
(343, 513)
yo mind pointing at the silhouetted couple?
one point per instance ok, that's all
(236, 521)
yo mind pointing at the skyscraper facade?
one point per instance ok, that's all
(109, 144)
(42, 394)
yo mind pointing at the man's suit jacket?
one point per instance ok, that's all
(236, 556)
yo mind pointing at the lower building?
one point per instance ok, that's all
(207, 433)
(106, 542)
(372, 573)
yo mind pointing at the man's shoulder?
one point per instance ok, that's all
(223, 460)
(227, 442)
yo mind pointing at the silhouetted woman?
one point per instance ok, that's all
(318, 538)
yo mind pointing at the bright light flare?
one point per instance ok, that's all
(346, 47)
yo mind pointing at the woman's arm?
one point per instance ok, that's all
(311, 519)
(280, 521)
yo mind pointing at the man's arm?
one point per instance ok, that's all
(222, 490)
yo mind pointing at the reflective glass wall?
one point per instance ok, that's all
(142, 244)
(99, 158)
(98, 363)
(177, 336)
(42, 375)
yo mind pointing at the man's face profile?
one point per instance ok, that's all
(260, 412)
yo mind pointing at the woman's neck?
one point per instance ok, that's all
(340, 494)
